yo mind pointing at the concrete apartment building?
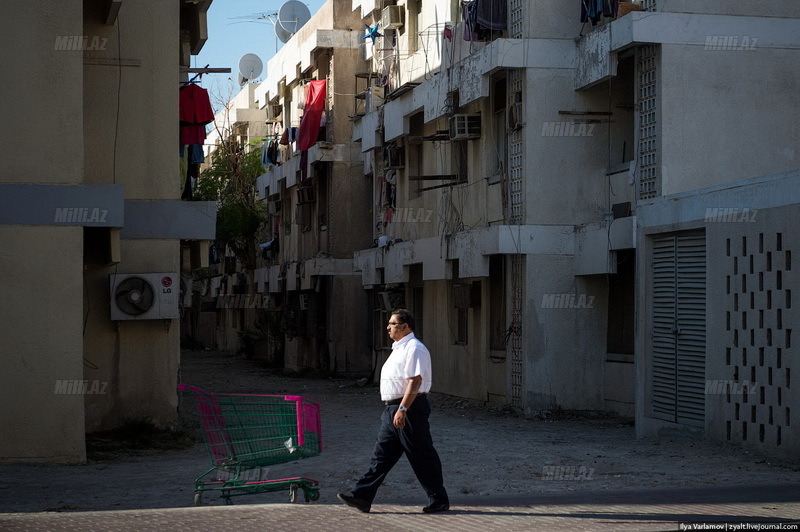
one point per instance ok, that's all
(317, 201)
(592, 218)
(89, 189)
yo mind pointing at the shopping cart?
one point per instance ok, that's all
(246, 432)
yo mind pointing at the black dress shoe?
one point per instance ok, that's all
(355, 502)
(437, 507)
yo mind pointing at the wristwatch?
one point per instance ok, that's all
(401, 408)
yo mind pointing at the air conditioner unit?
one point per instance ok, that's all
(465, 127)
(395, 157)
(392, 17)
(373, 98)
(145, 296)
(274, 112)
(467, 295)
(274, 207)
(305, 195)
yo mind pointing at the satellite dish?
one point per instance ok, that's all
(291, 17)
(250, 67)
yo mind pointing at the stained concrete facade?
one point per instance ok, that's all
(317, 224)
(85, 148)
(580, 217)
(595, 148)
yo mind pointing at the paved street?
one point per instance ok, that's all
(626, 510)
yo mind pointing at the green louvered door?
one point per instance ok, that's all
(679, 328)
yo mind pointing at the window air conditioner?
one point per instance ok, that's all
(274, 113)
(303, 300)
(392, 17)
(465, 127)
(145, 296)
(274, 206)
(305, 195)
(395, 157)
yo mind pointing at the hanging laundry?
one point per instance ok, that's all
(304, 167)
(273, 152)
(474, 29)
(491, 14)
(265, 155)
(312, 115)
(390, 194)
(194, 113)
(470, 31)
(448, 33)
(192, 172)
(196, 154)
(595, 10)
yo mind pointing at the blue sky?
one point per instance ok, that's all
(228, 42)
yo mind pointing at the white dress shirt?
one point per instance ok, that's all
(409, 358)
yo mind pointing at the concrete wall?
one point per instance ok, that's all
(778, 8)
(562, 20)
(140, 359)
(420, 44)
(146, 140)
(565, 341)
(750, 245)
(458, 370)
(565, 174)
(757, 414)
(41, 344)
(719, 128)
(29, 58)
(40, 273)
(349, 339)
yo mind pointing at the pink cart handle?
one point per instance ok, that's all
(299, 409)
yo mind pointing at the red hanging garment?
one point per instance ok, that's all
(195, 106)
(194, 113)
(312, 115)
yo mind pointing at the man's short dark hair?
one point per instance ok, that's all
(404, 316)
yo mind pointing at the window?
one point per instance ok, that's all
(500, 137)
(416, 130)
(621, 300)
(462, 323)
(460, 294)
(497, 303)
(413, 25)
(417, 297)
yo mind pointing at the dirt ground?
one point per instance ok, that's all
(484, 451)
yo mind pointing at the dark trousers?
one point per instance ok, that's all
(415, 441)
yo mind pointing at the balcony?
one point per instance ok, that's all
(597, 51)
(471, 248)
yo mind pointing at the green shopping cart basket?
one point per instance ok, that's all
(244, 433)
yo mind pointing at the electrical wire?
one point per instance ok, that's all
(119, 93)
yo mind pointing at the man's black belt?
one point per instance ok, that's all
(398, 401)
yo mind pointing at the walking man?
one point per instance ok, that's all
(405, 383)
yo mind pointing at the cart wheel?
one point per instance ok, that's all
(292, 494)
(198, 499)
(312, 495)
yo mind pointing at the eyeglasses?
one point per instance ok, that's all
(395, 323)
